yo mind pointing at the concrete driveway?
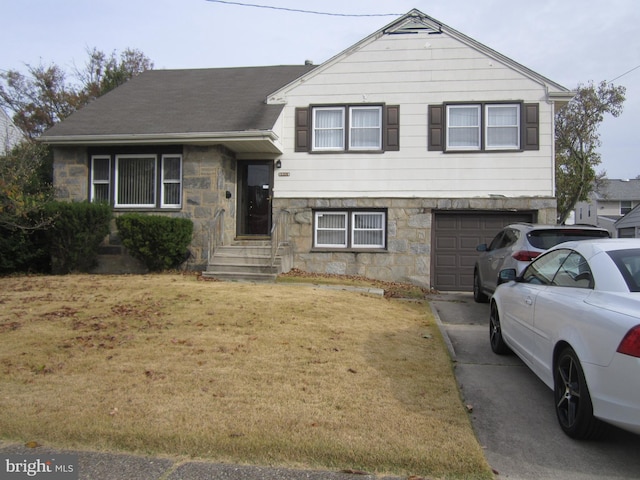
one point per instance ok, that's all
(513, 413)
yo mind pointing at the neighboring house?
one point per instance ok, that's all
(629, 225)
(10, 135)
(611, 200)
(391, 160)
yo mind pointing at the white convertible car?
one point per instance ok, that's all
(573, 316)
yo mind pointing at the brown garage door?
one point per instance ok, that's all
(455, 237)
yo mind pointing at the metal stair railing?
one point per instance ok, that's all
(279, 233)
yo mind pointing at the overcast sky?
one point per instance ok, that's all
(568, 41)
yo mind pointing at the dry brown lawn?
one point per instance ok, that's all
(285, 375)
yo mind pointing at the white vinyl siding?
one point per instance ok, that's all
(400, 70)
(350, 229)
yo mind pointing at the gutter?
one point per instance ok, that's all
(163, 138)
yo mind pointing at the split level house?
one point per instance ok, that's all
(391, 160)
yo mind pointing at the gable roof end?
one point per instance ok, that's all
(415, 22)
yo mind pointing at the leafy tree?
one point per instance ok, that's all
(577, 139)
(43, 96)
(103, 73)
(25, 186)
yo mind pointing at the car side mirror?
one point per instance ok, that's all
(482, 247)
(506, 275)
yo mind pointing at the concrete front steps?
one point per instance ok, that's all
(247, 261)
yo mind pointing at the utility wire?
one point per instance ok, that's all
(307, 11)
(625, 73)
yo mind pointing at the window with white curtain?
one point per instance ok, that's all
(503, 126)
(328, 128)
(137, 180)
(358, 229)
(365, 128)
(483, 127)
(463, 127)
(362, 124)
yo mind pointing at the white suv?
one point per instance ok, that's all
(516, 245)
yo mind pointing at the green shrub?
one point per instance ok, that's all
(23, 251)
(75, 236)
(161, 243)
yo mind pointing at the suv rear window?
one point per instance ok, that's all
(546, 239)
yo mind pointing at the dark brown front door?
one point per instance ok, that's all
(254, 197)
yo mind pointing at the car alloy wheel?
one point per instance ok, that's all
(478, 296)
(572, 399)
(495, 332)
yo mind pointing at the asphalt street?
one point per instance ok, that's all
(513, 413)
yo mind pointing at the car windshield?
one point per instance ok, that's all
(545, 239)
(628, 262)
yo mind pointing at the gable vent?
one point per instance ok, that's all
(414, 24)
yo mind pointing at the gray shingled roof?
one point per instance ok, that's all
(165, 102)
(614, 189)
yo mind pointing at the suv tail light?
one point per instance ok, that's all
(630, 344)
(525, 255)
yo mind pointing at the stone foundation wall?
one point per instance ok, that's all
(208, 174)
(409, 224)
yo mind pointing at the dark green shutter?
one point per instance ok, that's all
(531, 130)
(303, 131)
(392, 128)
(436, 128)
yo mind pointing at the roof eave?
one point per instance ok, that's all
(242, 141)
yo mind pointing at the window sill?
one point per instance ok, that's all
(348, 250)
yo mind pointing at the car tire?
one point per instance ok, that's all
(572, 399)
(495, 332)
(478, 296)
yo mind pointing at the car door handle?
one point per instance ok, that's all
(528, 301)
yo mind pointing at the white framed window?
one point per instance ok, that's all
(328, 128)
(365, 128)
(100, 178)
(347, 128)
(368, 229)
(330, 229)
(625, 206)
(463, 127)
(171, 181)
(137, 180)
(483, 126)
(357, 229)
(503, 127)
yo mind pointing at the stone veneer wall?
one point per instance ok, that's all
(408, 255)
(208, 173)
